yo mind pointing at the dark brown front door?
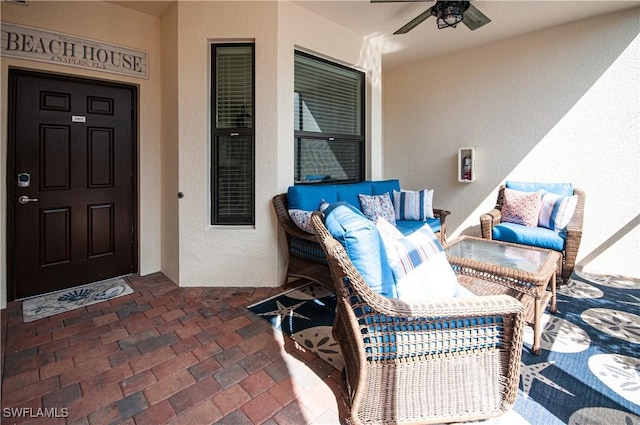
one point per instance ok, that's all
(72, 178)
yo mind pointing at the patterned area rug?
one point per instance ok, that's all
(70, 299)
(589, 369)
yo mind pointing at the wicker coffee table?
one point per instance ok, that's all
(521, 271)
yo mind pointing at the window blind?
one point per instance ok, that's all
(233, 162)
(328, 97)
(234, 179)
(328, 121)
(323, 160)
(234, 87)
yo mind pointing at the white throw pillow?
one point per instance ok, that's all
(420, 267)
(556, 211)
(387, 229)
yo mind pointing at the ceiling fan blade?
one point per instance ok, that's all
(474, 19)
(414, 22)
(399, 1)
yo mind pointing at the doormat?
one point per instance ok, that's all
(69, 299)
(305, 314)
(589, 369)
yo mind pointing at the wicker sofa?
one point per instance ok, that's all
(437, 361)
(566, 241)
(306, 258)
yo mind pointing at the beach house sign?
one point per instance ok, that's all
(64, 49)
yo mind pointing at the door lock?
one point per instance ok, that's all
(24, 180)
(25, 199)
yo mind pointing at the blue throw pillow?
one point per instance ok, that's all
(363, 244)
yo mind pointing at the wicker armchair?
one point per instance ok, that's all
(573, 230)
(306, 258)
(448, 360)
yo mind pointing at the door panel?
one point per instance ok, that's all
(55, 236)
(75, 138)
(55, 157)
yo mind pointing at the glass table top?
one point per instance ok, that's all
(486, 251)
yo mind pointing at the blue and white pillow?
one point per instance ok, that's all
(420, 267)
(413, 205)
(363, 243)
(302, 219)
(556, 211)
(376, 206)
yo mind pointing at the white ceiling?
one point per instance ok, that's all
(509, 18)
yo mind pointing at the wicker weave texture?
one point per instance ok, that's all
(445, 360)
(303, 262)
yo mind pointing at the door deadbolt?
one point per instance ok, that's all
(25, 199)
(24, 180)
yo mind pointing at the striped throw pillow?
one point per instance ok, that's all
(413, 205)
(556, 211)
(420, 267)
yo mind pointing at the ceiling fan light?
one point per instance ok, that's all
(450, 13)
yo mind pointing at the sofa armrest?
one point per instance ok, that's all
(577, 221)
(574, 236)
(280, 206)
(488, 220)
(442, 215)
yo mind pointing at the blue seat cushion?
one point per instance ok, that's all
(388, 338)
(363, 244)
(380, 187)
(564, 189)
(409, 226)
(308, 197)
(349, 192)
(532, 236)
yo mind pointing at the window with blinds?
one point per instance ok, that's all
(328, 121)
(233, 170)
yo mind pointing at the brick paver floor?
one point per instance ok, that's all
(162, 355)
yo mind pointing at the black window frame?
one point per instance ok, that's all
(217, 134)
(332, 138)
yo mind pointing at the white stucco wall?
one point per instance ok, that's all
(247, 255)
(170, 145)
(113, 24)
(557, 105)
(224, 255)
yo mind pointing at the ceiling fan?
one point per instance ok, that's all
(448, 13)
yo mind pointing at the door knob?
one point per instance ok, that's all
(25, 199)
